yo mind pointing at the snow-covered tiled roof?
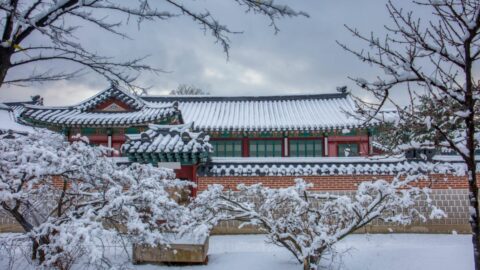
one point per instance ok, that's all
(71, 116)
(82, 114)
(113, 92)
(8, 121)
(264, 113)
(378, 146)
(19, 106)
(293, 166)
(167, 139)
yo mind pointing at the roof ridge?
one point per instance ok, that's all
(107, 93)
(165, 98)
(43, 107)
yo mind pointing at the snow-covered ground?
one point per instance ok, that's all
(362, 252)
(359, 252)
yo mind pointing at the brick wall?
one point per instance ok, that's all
(9, 224)
(454, 202)
(449, 192)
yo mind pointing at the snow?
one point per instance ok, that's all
(272, 113)
(451, 158)
(186, 238)
(7, 121)
(304, 166)
(99, 188)
(308, 226)
(82, 114)
(168, 139)
(75, 116)
(266, 113)
(365, 252)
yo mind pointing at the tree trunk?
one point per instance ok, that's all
(5, 56)
(474, 212)
(311, 262)
(36, 253)
(28, 227)
(471, 145)
(306, 264)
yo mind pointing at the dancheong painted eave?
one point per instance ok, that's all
(265, 113)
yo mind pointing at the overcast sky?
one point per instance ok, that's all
(303, 58)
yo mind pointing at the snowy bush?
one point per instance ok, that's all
(69, 198)
(308, 224)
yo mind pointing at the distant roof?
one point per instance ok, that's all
(112, 92)
(19, 106)
(265, 113)
(210, 98)
(8, 121)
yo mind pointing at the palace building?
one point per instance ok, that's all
(247, 139)
(265, 126)
(195, 130)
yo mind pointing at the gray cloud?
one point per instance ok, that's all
(302, 58)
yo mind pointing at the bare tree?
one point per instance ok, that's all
(69, 196)
(184, 89)
(309, 224)
(432, 62)
(55, 21)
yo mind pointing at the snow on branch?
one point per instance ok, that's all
(307, 224)
(69, 197)
(432, 63)
(57, 22)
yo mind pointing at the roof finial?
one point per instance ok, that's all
(114, 83)
(37, 100)
(342, 89)
(175, 104)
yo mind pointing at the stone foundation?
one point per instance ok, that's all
(8, 224)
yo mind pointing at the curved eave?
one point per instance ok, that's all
(121, 121)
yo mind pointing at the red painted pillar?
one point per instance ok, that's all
(245, 148)
(194, 180)
(332, 149)
(188, 172)
(364, 149)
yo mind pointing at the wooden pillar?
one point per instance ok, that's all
(109, 140)
(188, 172)
(370, 144)
(245, 147)
(325, 146)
